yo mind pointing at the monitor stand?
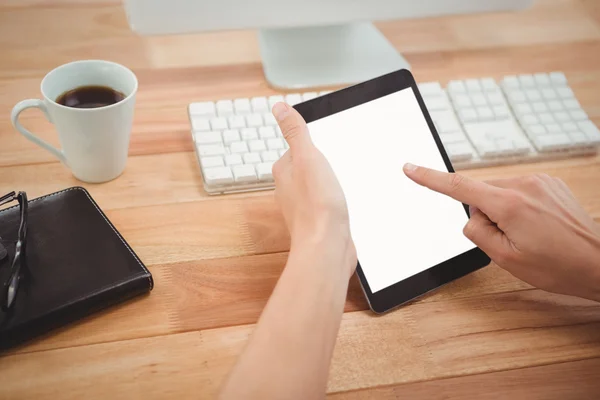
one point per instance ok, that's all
(322, 56)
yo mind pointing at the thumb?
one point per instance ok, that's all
(292, 126)
(485, 234)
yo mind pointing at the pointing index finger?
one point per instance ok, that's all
(459, 187)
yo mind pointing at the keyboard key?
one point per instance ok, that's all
(208, 137)
(562, 117)
(249, 134)
(224, 108)
(504, 146)
(462, 101)
(467, 114)
(546, 118)
(542, 79)
(486, 134)
(501, 112)
(558, 78)
(578, 115)
(219, 124)
(569, 127)
(549, 94)
(269, 119)
(517, 96)
(208, 162)
(552, 142)
(472, 85)
(293, 99)
(257, 145)
(571, 104)
(231, 135)
(309, 96)
(511, 82)
(565, 92)
(553, 128)
(210, 149)
(205, 109)
(590, 130)
(254, 120)
(265, 171)
(526, 80)
(200, 124)
(555, 105)
(260, 105)
(218, 176)
(457, 87)
(523, 109)
(579, 138)
(486, 149)
(533, 94)
(244, 173)
(459, 151)
(275, 144)
(436, 103)
(539, 107)
(485, 113)
(495, 98)
(267, 132)
(530, 119)
(233, 159)
(282, 152)
(237, 122)
(274, 100)
(536, 130)
(430, 88)
(488, 84)
(522, 145)
(270, 156)
(445, 125)
(252, 158)
(478, 99)
(238, 147)
(242, 106)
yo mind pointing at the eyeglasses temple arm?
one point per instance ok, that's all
(7, 198)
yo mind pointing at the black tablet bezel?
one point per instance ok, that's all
(438, 275)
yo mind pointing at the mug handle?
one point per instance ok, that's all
(35, 103)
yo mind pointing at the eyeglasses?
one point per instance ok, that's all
(11, 286)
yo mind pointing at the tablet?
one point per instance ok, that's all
(408, 238)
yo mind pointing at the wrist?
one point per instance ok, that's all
(330, 247)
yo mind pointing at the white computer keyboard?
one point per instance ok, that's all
(481, 123)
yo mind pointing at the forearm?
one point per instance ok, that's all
(290, 351)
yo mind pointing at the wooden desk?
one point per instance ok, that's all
(215, 260)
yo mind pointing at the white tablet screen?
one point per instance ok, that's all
(398, 227)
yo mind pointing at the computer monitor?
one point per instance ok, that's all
(306, 43)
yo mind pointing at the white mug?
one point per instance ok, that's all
(94, 141)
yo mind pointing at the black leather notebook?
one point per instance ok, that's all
(76, 263)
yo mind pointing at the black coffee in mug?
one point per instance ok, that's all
(90, 97)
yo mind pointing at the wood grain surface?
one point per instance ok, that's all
(215, 260)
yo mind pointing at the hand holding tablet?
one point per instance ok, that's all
(408, 239)
(312, 201)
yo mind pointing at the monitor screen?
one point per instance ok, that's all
(399, 228)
